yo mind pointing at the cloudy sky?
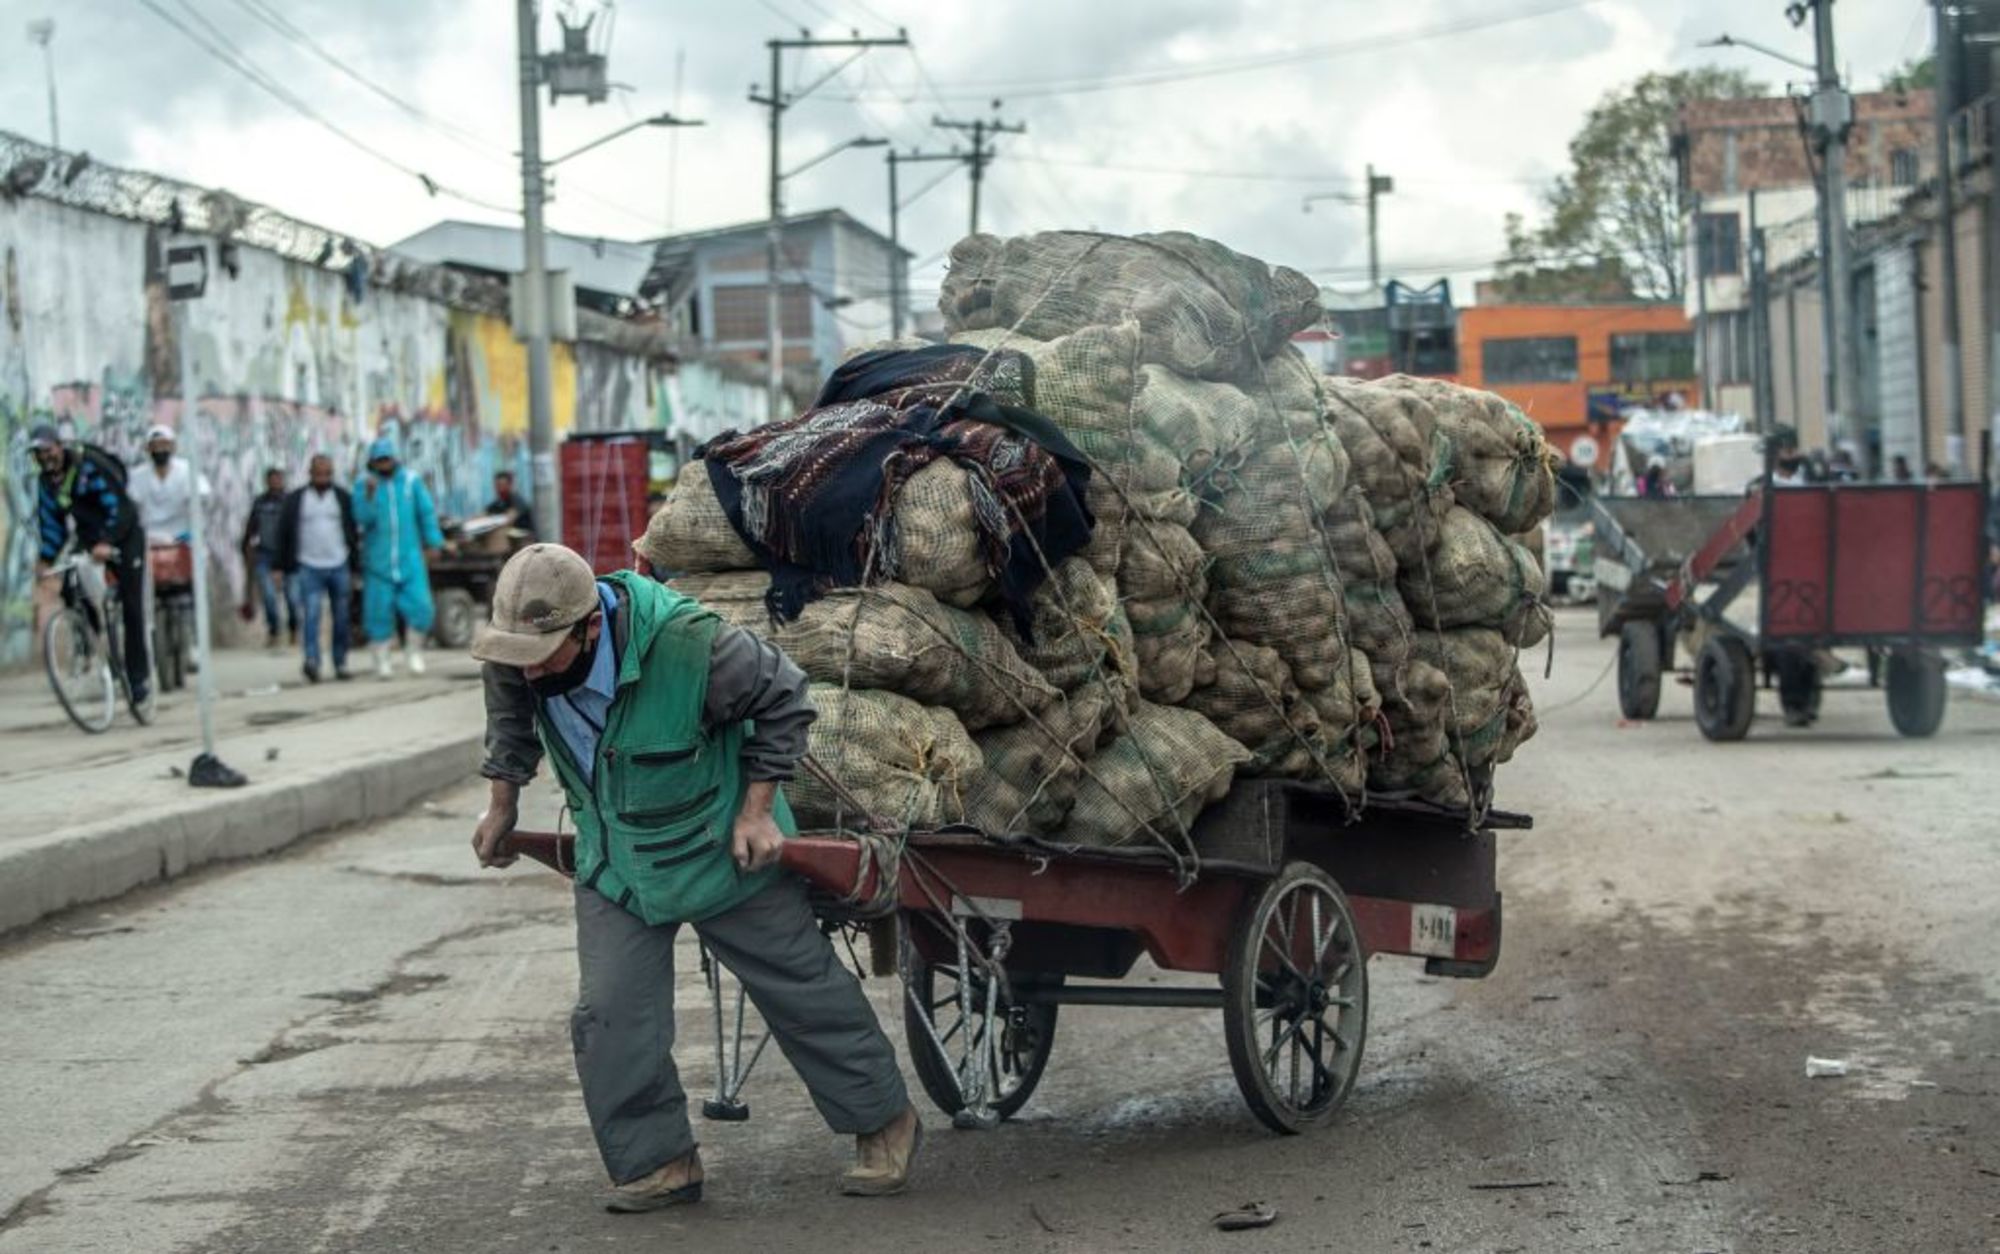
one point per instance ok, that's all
(1210, 116)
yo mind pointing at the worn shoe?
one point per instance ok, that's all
(882, 1160)
(676, 1184)
(384, 667)
(417, 665)
(311, 673)
(342, 674)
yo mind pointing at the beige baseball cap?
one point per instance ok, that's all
(543, 591)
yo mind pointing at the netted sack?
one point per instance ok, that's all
(1357, 546)
(690, 532)
(1161, 562)
(904, 762)
(1416, 757)
(1476, 577)
(1256, 704)
(1489, 711)
(1071, 619)
(1032, 769)
(937, 544)
(1396, 459)
(1379, 625)
(1170, 646)
(1501, 465)
(893, 637)
(1080, 382)
(1203, 310)
(1151, 782)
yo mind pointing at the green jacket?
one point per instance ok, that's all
(656, 825)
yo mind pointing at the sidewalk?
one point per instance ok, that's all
(89, 817)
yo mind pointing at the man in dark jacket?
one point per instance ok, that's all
(670, 733)
(82, 487)
(260, 554)
(505, 502)
(318, 548)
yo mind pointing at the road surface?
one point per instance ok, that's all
(362, 1045)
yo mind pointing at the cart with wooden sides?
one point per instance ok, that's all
(1283, 893)
(1737, 582)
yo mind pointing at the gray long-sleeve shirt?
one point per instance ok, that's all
(750, 680)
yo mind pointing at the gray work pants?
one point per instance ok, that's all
(623, 1025)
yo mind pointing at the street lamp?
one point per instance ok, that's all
(43, 31)
(658, 119)
(1378, 184)
(1730, 41)
(774, 230)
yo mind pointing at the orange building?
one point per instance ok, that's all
(1570, 366)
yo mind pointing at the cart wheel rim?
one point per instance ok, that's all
(950, 1057)
(1303, 973)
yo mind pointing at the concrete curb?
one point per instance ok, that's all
(102, 860)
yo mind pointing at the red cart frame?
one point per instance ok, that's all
(1292, 893)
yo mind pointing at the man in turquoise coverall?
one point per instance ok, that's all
(399, 527)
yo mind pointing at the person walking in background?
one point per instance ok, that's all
(505, 502)
(165, 491)
(1899, 469)
(399, 530)
(318, 544)
(260, 554)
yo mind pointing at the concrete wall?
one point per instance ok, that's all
(287, 362)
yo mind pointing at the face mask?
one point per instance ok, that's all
(571, 677)
(385, 472)
(162, 456)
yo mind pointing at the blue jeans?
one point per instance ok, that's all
(267, 588)
(331, 583)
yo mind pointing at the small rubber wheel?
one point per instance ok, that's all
(457, 614)
(1295, 1000)
(1639, 670)
(1916, 693)
(1026, 1035)
(1725, 689)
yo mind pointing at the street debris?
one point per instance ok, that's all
(1499, 1185)
(1824, 1068)
(1247, 1216)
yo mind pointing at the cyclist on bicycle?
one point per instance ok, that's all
(83, 487)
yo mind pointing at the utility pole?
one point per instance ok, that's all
(1377, 184)
(982, 153)
(899, 277)
(1945, 57)
(1763, 387)
(535, 279)
(1832, 116)
(777, 101)
(43, 31)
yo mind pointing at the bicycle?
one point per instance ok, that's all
(82, 650)
(172, 567)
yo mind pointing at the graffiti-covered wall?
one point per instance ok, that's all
(289, 360)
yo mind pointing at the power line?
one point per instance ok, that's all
(1271, 176)
(284, 96)
(1030, 88)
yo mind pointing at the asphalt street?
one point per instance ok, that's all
(362, 1044)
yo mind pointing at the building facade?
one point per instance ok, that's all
(1574, 367)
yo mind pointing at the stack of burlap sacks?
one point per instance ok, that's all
(1291, 575)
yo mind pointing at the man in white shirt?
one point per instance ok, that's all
(164, 491)
(318, 548)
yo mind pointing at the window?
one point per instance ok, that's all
(1542, 359)
(1903, 167)
(738, 312)
(1726, 348)
(1718, 239)
(1650, 356)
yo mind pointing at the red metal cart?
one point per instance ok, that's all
(1896, 569)
(1290, 894)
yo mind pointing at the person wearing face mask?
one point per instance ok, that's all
(164, 490)
(399, 531)
(671, 732)
(318, 544)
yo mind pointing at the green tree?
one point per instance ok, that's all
(1616, 214)
(1912, 75)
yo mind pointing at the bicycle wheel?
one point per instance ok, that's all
(79, 670)
(114, 649)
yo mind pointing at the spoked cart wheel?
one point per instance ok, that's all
(978, 1049)
(1916, 686)
(1295, 1000)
